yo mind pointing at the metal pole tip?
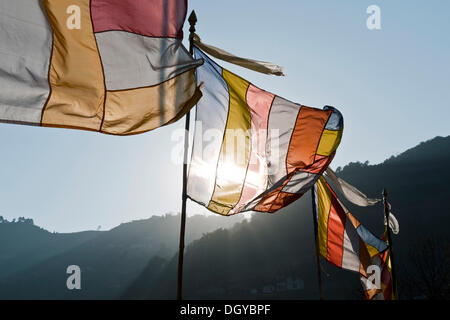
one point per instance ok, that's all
(192, 18)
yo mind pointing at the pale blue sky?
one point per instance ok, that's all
(392, 86)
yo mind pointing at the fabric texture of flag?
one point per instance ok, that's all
(386, 290)
(255, 65)
(355, 196)
(342, 239)
(252, 149)
(113, 66)
(386, 277)
(350, 192)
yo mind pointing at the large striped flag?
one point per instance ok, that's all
(252, 149)
(113, 66)
(342, 240)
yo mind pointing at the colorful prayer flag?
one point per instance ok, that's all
(113, 66)
(386, 289)
(252, 149)
(342, 239)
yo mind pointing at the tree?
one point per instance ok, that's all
(430, 276)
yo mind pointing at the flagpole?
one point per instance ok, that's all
(316, 239)
(192, 21)
(389, 239)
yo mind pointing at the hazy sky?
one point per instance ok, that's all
(392, 86)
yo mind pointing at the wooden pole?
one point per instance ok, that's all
(192, 21)
(389, 239)
(316, 239)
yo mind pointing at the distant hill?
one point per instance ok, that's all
(258, 259)
(24, 244)
(109, 260)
